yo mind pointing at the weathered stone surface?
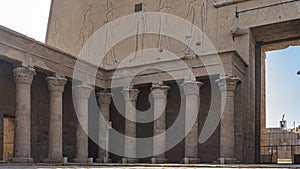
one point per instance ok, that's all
(159, 93)
(81, 96)
(23, 78)
(227, 85)
(130, 97)
(104, 100)
(56, 87)
(191, 91)
(215, 19)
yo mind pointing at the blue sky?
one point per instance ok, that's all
(30, 17)
(283, 86)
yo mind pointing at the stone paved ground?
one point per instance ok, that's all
(148, 166)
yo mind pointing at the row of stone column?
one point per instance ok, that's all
(81, 97)
(159, 93)
(22, 153)
(24, 76)
(191, 89)
(22, 150)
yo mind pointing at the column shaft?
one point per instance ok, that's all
(55, 145)
(227, 125)
(191, 91)
(81, 96)
(227, 85)
(23, 78)
(130, 97)
(191, 139)
(104, 99)
(159, 94)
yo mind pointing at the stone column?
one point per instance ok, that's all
(81, 97)
(191, 91)
(227, 85)
(130, 97)
(104, 100)
(23, 78)
(56, 87)
(159, 94)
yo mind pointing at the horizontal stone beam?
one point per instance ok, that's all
(19, 49)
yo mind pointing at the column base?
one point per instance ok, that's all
(129, 160)
(53, 160)
(64, 160)
(22, 160)
(103, 160)
(223, 160)
(189, 160)
(156, 160)
(83, 160)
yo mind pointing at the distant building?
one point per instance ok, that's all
(281, 143)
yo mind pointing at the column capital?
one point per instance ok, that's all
(24, 75)
(191, 87)
(130, 94)
(228, 83)
(56, 84)
(82, 91)
(104, 97)
(159, 91)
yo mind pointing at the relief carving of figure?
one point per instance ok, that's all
(57, 34)
(139, 26)
(87, 28)
(109, 17)
(196, 9)
(162, 39)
